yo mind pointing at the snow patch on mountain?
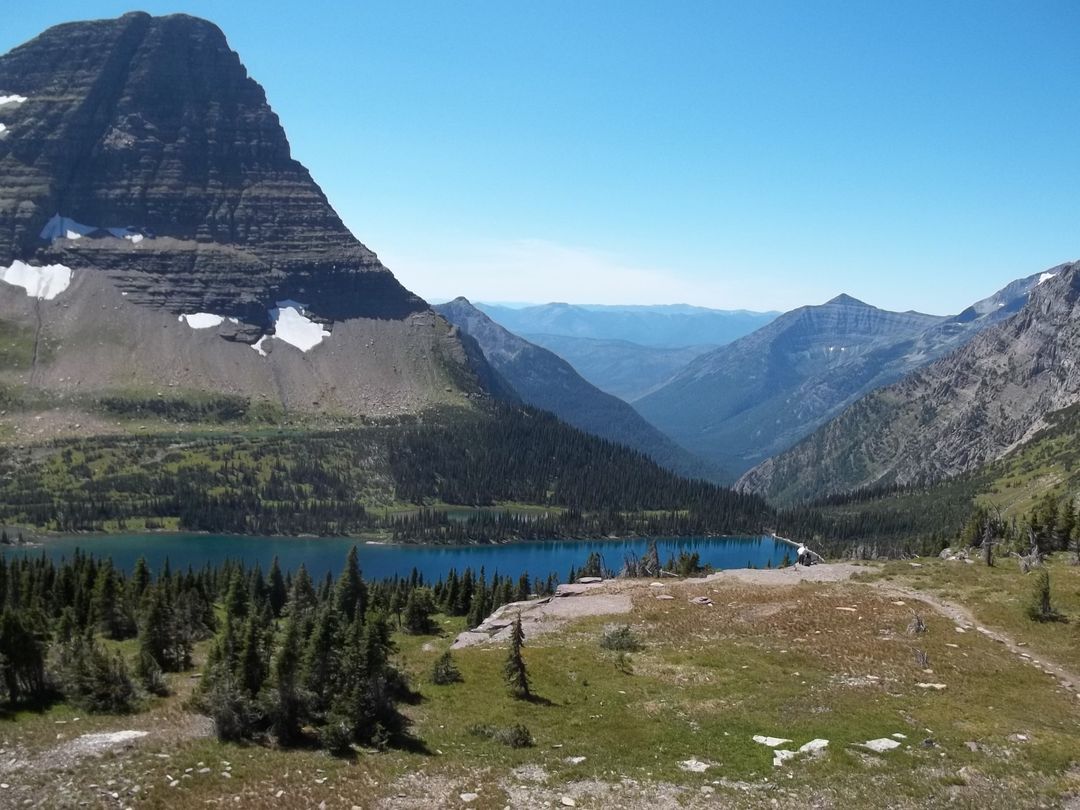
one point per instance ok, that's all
(39, 282)
(292, 325)
(61, 227)
(12, 99)
(1046, 277)
(204, 320)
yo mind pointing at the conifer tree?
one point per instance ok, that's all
(107, 604)
(251, 668)
(287, 705)
(321, 658)
(350, 593)
(140, 578)
(517, 678)
(277, 592)
(418, 609)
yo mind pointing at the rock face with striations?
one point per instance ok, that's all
(156, 234)
(150, 127)
(968, 408)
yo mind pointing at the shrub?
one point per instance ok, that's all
(445, 672)
(1039, 608)
(337, 735)
(621, 639)
(150, 675)
(93, 680)
(233, 713)
(516, 736)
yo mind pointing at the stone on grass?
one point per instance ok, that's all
(468, 798)
(694, 766)
(772, 742)
(780, 756)
(814, 747)
(881, 745)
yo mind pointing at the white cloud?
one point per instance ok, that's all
(539, 271)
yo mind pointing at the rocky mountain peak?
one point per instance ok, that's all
(843, 299)
(139, 146)
(970, 407)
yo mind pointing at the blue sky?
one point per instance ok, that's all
(759, 155)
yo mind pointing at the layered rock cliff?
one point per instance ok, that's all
(149, 128)
(156, 231)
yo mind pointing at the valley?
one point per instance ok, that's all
(277, 532)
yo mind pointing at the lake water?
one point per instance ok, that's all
(320, 555)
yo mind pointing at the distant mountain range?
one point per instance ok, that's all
(968, 408)
(544, 380)
(664, 326)
(627, 350)
(757, 396)
(627, 370)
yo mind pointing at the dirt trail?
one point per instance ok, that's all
(960, 615)
(965, 619)
(613, 596)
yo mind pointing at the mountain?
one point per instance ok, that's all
(619, 367)
(966, 409)
(156, 232)
(665, 326)
(756, 397)
(544, 380)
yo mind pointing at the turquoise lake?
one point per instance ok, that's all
(321, 555)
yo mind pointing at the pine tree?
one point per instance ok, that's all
(252, 668)
(287, 708)
(321, 658)
(107, 604)
(277, 593)
(350, 593)
(1040, 608)
(445, 672)
(517, 678)
(22, 667)
(418, 609)
(140, 578)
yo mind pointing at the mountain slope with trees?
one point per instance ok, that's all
(544, 380)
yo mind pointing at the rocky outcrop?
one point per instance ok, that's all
(968, 408)
(172, 176)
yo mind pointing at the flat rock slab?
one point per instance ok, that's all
(881, 745)
(548, 614)
(814, 746)
(772, 742)
(694, 766)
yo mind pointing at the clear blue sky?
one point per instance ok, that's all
(760, 155)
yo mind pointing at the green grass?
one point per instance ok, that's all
(773, 661)
(998, 596)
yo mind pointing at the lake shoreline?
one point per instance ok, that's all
(386, 560)
(41, 538)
